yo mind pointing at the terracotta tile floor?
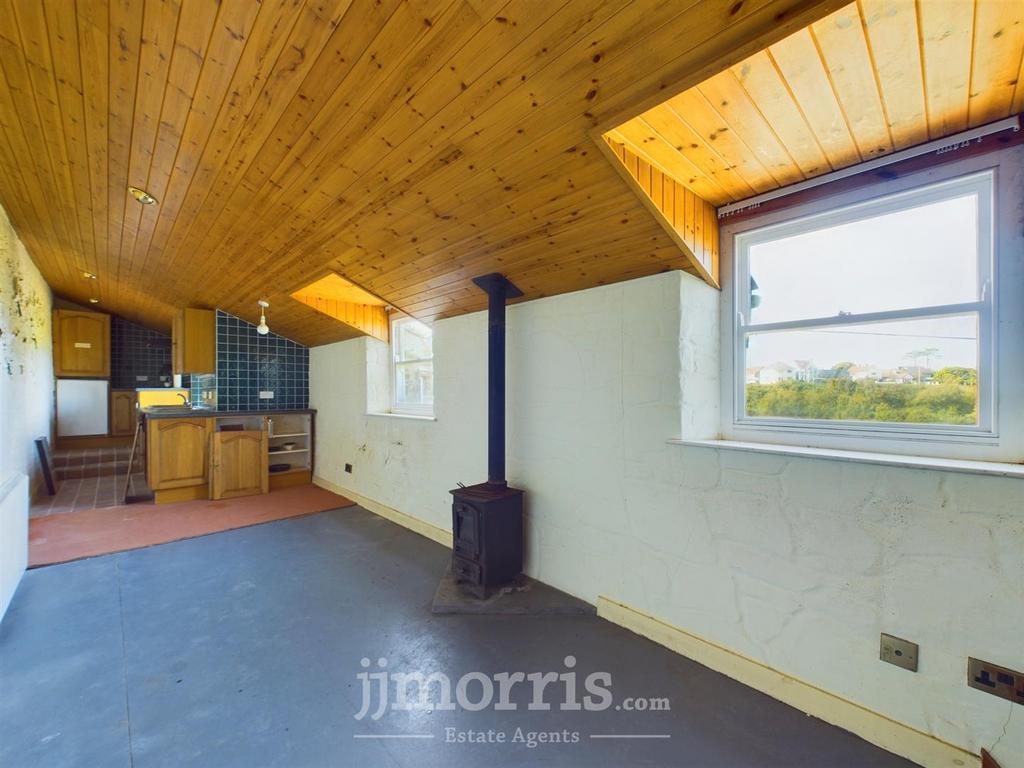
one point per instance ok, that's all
(90, 462)
(60, 538)
(87, 478)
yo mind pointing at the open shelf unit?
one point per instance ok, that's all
(284, 428)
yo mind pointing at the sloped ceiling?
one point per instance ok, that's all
(869, 79)
(407, 146)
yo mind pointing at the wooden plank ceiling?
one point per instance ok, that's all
(874, 77)
(406, 145)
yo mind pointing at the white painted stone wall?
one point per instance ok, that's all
(798, 563)
(26, 357)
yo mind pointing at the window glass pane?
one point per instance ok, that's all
(414, 383)
(921, 371)
(415, 340)
(923, 256)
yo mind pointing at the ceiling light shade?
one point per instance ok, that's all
(263, 329)
(142, 196)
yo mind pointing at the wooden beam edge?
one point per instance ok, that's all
(710, 278)
(375, 319)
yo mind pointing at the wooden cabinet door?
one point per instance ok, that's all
(178, 451)
(81, 344)
(177, 342)
(238, 464)
(194, 341)
(122, 411)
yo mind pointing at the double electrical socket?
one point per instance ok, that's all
(999, 681)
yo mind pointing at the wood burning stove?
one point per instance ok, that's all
(487, 533)
(487, 519)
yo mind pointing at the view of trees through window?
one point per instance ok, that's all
(947, 396)
(875, 319)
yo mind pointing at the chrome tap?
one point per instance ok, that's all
(184, 398)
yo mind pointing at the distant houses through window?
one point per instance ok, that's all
(876, 316)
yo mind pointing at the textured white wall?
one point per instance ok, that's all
(798, 563)
(26, 357)
(13, 535)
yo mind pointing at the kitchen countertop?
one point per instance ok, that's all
(209, 413)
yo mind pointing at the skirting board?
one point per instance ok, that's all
(432, 532)
(871, 726)
(878, 729)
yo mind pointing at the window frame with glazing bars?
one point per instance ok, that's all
(406, 409)
(980, 183)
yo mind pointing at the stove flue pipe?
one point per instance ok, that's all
(498, 290)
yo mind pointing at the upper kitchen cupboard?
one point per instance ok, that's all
(81, 344)
(194, 341)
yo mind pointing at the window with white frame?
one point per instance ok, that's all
(412, 368)
(873, 319)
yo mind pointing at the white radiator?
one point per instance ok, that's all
(13, 535)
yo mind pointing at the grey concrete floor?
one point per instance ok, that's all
(242, 649)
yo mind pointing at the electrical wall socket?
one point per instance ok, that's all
(898, 651)
(999, 681)
(348, 468)
(266, 394)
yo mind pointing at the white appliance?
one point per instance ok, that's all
(82, 406)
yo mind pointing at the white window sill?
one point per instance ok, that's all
(389, 414)
(864, 457)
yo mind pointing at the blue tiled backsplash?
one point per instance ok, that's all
(248, 364)
(139, 357)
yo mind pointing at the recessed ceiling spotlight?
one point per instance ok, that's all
(94, 301)
(142, 196)
(88, 275)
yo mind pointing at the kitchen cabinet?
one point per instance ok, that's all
(122, 411)
(221, 456)
(194, 341)
(81, 344)
(177, 457)
(238, 463)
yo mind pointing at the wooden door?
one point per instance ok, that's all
(178, 451)
(81, 344)
(122, 411)
(238, 464)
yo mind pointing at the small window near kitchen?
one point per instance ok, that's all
(875, 319)
(412, 372)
